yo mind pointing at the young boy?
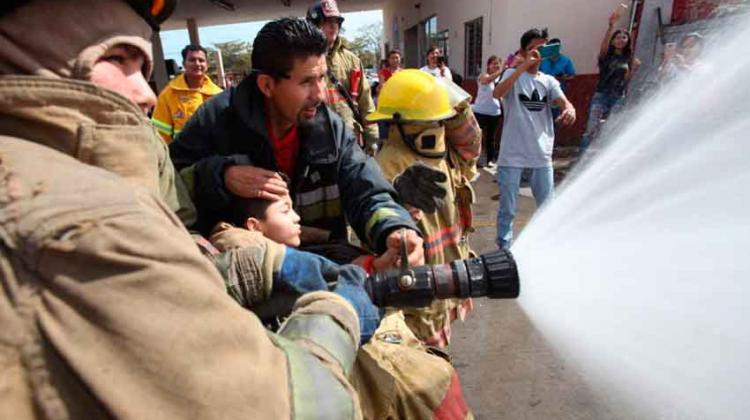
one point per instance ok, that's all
(394, 374)
(277, 220)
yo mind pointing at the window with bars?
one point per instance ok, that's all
(473, 48)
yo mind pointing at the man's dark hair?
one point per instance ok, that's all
(531, 35)
(192, 47)
(394, 51)
(282, 41)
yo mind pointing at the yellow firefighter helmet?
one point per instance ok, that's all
(412, 95)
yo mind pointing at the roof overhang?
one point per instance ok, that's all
(223, 12)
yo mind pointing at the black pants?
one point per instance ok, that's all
(488, 124)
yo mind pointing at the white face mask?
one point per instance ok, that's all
(429, 142)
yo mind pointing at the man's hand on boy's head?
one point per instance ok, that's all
(253, 182)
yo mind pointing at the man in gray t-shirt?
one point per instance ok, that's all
(528, 131)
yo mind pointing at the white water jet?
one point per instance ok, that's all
(639, 270)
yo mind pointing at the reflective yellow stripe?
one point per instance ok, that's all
(162, 126)
(321, 330)
(328, 193)
(316, 393)
(321, 210)
(379, 215)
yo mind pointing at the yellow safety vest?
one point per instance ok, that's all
(177, 102)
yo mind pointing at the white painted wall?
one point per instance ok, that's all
(580, 24)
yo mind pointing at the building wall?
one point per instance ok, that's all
(580, 24)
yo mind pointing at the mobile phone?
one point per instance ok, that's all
(549, 50)
(670, 49)
(441, 60)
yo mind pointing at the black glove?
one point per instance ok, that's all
(419, 186)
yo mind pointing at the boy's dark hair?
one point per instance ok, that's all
(241, 208)
(282, 41)
(394, 51)
(554, 41)
(192, 47)
(531, 35)
(432, 48)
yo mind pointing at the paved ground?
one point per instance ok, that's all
(506, 368)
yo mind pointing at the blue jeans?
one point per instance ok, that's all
(509, 180)
(602, 105)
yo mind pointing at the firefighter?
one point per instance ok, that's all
(431, 124)
(348, 92)
(108, 309)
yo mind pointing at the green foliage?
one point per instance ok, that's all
(366, 44)
(234, 54)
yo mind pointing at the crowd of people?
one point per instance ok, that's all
(203, 262)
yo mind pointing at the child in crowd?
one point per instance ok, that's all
(394, 374)
(277, 220)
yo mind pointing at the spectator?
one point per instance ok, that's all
(512, 60)
(559, 66)
(616, 67)
(184, 94)
(393, 66)
(487, 108)
(682, 58)
(348, 91)
(275, 120)
(528, 131)
(436, 64)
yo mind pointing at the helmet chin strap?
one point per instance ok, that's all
(410, 140)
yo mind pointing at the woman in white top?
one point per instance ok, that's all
(436, 64)
(487, 109)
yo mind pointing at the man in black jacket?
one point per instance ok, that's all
(276, 121)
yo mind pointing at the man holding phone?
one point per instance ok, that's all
(556, 64)
(436, 64)
(528, 130)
